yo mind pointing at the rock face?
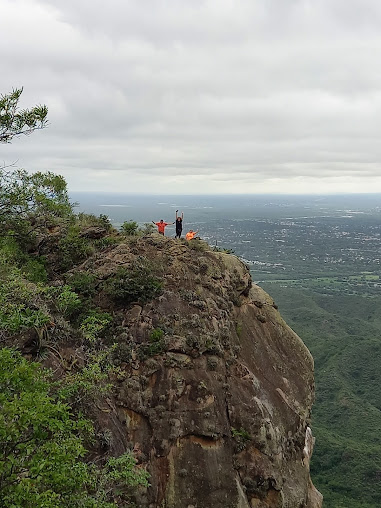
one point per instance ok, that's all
(215, 393)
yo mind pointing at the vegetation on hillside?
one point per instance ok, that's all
(46, 427)
(43, 433)
(42, 445)
(342, 333)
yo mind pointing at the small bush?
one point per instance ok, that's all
(19, 303)
(147, 228)
(105, 242)
(15, 317)
(122, 352)
(88, 383)
(156, 335)
(83, 283)
(212, 363)
(73, 249)
(11, 254)
(89, 219)
(34, 270)
(225, 251)
(241, 434)
(67, 301)
(129, 228)
(94, 326)
(156, 344)
(134, 285)
(198, 245)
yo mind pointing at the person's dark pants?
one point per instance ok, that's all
(178, 233)
(161, 233)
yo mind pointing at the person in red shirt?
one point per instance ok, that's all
(162, 225)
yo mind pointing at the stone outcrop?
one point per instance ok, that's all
(215, 391)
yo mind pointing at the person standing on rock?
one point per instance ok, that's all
(179, 224)
(161, 226)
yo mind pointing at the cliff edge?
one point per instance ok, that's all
(214, 391)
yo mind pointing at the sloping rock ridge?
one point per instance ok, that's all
(215, 391)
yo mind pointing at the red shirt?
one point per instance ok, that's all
(161, 226)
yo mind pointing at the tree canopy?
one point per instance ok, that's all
(14, 121)
(29, 202)
(42, 446)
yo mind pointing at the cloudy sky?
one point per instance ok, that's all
(199, 96)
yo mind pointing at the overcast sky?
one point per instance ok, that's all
(197, 96)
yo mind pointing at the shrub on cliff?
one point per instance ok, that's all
(129, 228)
(42, 446)
(137, 284)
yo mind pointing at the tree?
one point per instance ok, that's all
(14, 121)
(41, 447)
(39, 440)
(29, 202)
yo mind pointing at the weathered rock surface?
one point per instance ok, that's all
(218, 412)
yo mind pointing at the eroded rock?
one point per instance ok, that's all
(217, 397)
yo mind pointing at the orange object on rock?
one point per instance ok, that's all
(190, 235)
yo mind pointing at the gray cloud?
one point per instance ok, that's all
(201, 96)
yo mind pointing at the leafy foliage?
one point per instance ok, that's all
(147, 228)
(129, 228)
(83, 283)
(67, 301)
(42, 436)
(89, 219)
(16, 308)
(14, 121)
(72, 248)
(121, 476)
(89, 382)
(133, 285)
(31, 202)
(42, 447)
(155, 346)
(95, 324)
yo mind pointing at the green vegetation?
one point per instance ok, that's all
(95, 324)
(44, 435)
(15, 121)
(241, 434)
(136, 284)
(342, 333)
(42, 446)
(15, 297)
(129, 228)
(31, 203)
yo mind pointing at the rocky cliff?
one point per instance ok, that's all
(214, 390)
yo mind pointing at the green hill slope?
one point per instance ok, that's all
(343, 334)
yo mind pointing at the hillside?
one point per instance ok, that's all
(175, 358)
(342, 332)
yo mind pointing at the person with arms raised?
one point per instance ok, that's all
(179, 224)
(161, 226)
